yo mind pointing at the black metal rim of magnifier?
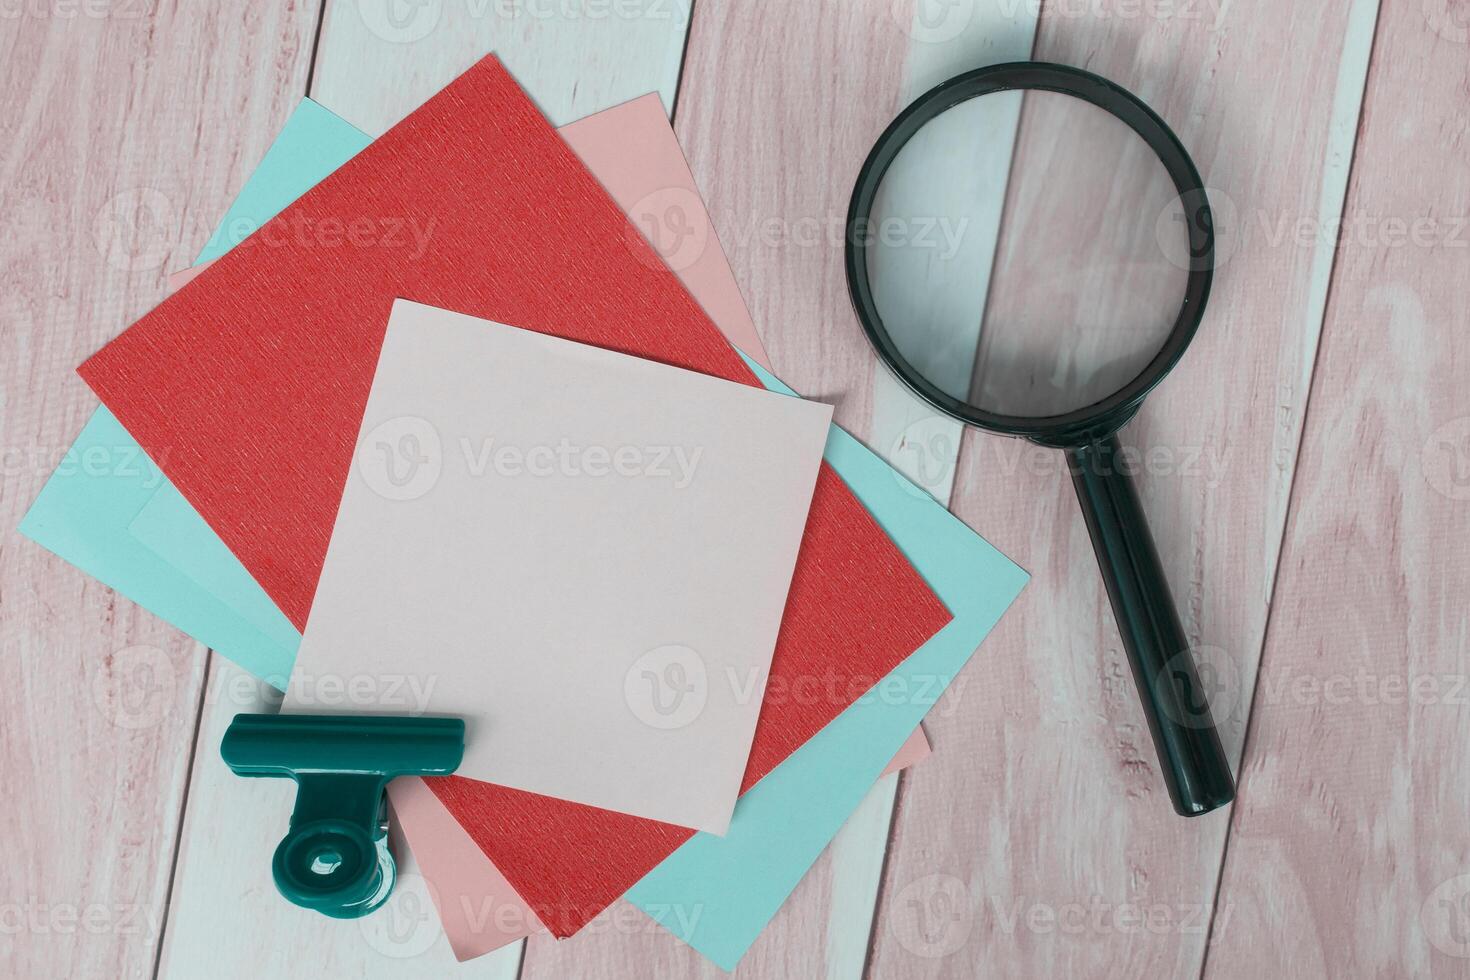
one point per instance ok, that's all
(1103, 417)
(1192, 762)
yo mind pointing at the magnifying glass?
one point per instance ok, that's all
(1030, 249)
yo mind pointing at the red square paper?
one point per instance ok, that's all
(248, 387)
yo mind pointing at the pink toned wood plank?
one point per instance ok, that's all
(778, 108)
(125, 129)
(1038, 841)
(1349, 854)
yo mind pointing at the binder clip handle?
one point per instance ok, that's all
(334, 858)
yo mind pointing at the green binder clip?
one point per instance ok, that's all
(335, 857)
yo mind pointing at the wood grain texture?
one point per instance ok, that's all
(124, 129)
(1347, 855)
(779, 105)
(1043, 834)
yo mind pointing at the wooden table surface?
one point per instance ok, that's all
(1311, 498)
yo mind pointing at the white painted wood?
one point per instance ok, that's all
(1347, 103)
(379, 59)
(857, 870)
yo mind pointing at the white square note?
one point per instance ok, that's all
(584, 554)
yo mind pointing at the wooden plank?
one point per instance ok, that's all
(1039, 831)
(778, 108)
(855, 864)
(126, 127)
(372, 72)
(1347, 857)
(379, 60)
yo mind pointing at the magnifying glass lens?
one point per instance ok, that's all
(1030, 250)
(1028, 253)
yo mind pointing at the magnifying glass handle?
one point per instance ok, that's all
(1174, 701)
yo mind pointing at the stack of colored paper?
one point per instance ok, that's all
(439, 430)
